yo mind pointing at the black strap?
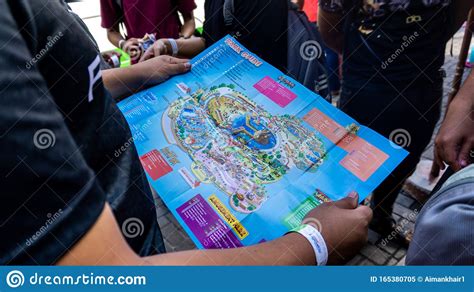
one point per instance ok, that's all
(447, 174)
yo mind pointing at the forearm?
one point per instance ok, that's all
(189, 25)
(104, 244)
(187, 48)
(291, 249)
(190, 47)
(466, 92)
(123, 82)
(345, 232)
(114, 36)
(455, 141)
(331, 28)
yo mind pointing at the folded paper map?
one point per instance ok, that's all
(240, 153)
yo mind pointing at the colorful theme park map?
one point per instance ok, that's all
(240, 153)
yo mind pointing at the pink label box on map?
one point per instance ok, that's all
(275, 91)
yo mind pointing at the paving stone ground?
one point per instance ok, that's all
(378, 251)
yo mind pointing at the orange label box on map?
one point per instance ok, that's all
(363, 158)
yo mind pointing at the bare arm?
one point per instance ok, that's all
(105, 245)
(122, 82)
(343, 225)
(189, 25)
(454, 142)
(187, 48)
(331, 28)
(114, 35)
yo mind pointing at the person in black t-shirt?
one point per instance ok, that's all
(392, 79)
(66, 196)
(60, 131)
(260, 25)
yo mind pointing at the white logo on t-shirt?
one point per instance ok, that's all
(95, 65)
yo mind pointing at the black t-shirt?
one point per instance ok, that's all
(60, 132)
(395, 40)
(260, 25)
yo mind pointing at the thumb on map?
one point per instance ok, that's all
(349, 202)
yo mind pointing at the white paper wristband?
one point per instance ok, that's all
(174, 47)
(317, 242)
(115, 59)
(120, 44)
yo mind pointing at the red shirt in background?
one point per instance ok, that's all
(146, 16)
(311, 9)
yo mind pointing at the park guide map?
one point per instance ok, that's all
(240, 153)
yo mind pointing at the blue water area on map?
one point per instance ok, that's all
(251, 130)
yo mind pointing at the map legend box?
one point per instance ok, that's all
(155, 165)
(275, 91)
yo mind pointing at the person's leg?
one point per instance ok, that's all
(405, 115)
(384, 197)
(332, 67)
